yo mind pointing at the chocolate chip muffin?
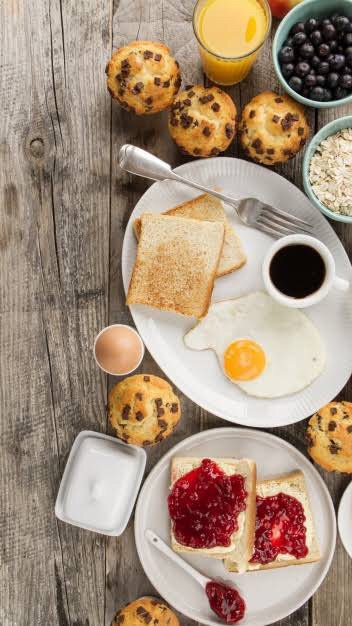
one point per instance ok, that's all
(329, 437)
(143, 77)
(273, 128)
(144, 611)
(202, 121)
(143, 409)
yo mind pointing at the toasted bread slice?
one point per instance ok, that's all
(292, 484)
(176, 264)
(206, 207)
(242, 541)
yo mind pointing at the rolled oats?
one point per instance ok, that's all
(330, 172)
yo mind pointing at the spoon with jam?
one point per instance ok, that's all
(225, 601)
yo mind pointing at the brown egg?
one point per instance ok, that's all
(118, 349)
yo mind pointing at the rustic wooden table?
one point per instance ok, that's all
(64, 207)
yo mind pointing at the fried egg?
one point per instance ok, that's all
(268, 350)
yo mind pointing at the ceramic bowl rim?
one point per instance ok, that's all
(326, 131)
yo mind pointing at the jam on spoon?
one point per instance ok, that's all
(225, 602)
(280, 528)
(204, 505)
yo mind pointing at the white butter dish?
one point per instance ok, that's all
(100, 483)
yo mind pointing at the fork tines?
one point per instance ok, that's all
(283, 222)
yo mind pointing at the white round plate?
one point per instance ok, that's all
(198, 374)
(344, 519)
(270, 595)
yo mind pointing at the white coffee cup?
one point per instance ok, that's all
(330, 280)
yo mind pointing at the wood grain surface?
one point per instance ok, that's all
(64, 208)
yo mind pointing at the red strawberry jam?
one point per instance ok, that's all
(204, 505)
(225, 602)
(279, 528)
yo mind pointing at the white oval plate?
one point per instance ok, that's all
(198, 374)
(344, 519)
(269, 595)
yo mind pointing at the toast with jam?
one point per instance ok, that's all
(212, 507)
(283, 507)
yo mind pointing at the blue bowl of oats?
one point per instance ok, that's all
(327, 170)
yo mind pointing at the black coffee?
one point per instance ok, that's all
(297, 270)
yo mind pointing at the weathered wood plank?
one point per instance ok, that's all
(55, 148)
(332, 605)
(163, 21)
(30, 552)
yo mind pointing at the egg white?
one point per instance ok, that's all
(294, 352)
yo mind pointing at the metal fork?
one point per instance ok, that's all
(251, 211)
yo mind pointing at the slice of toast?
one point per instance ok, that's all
(292, 484)
(176, 264)
(206, 207)
(242, 541)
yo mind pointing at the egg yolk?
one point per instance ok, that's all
(244, 360)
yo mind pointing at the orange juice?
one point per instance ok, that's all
(230, 34)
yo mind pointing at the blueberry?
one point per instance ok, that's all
(348, 56)
(337, 61)
(323, 50)
(333, 45)
(347, 40)
(345, 81)
(320, 80)
(306, 50)
(341, 22)
(310, 81)
(340, 49)
(302, 69)
(348, 28)
(312, 71)
(323, 68)
(289, 42)
(329, 32)
(332, 80)
(327, 95)
(347, 70)
(287, 69)
(311, 24)
(299, 27)
(340, 92)
(299, 39)
(315, 61)
(306, 92)
(316, 37)
(334, 18)
(295, 83)
(340, 35)
(317, 93)
(286, 54)
(326, 21)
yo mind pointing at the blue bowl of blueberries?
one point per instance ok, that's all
(312, 53)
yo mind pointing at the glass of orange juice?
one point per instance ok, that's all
(230, 34)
